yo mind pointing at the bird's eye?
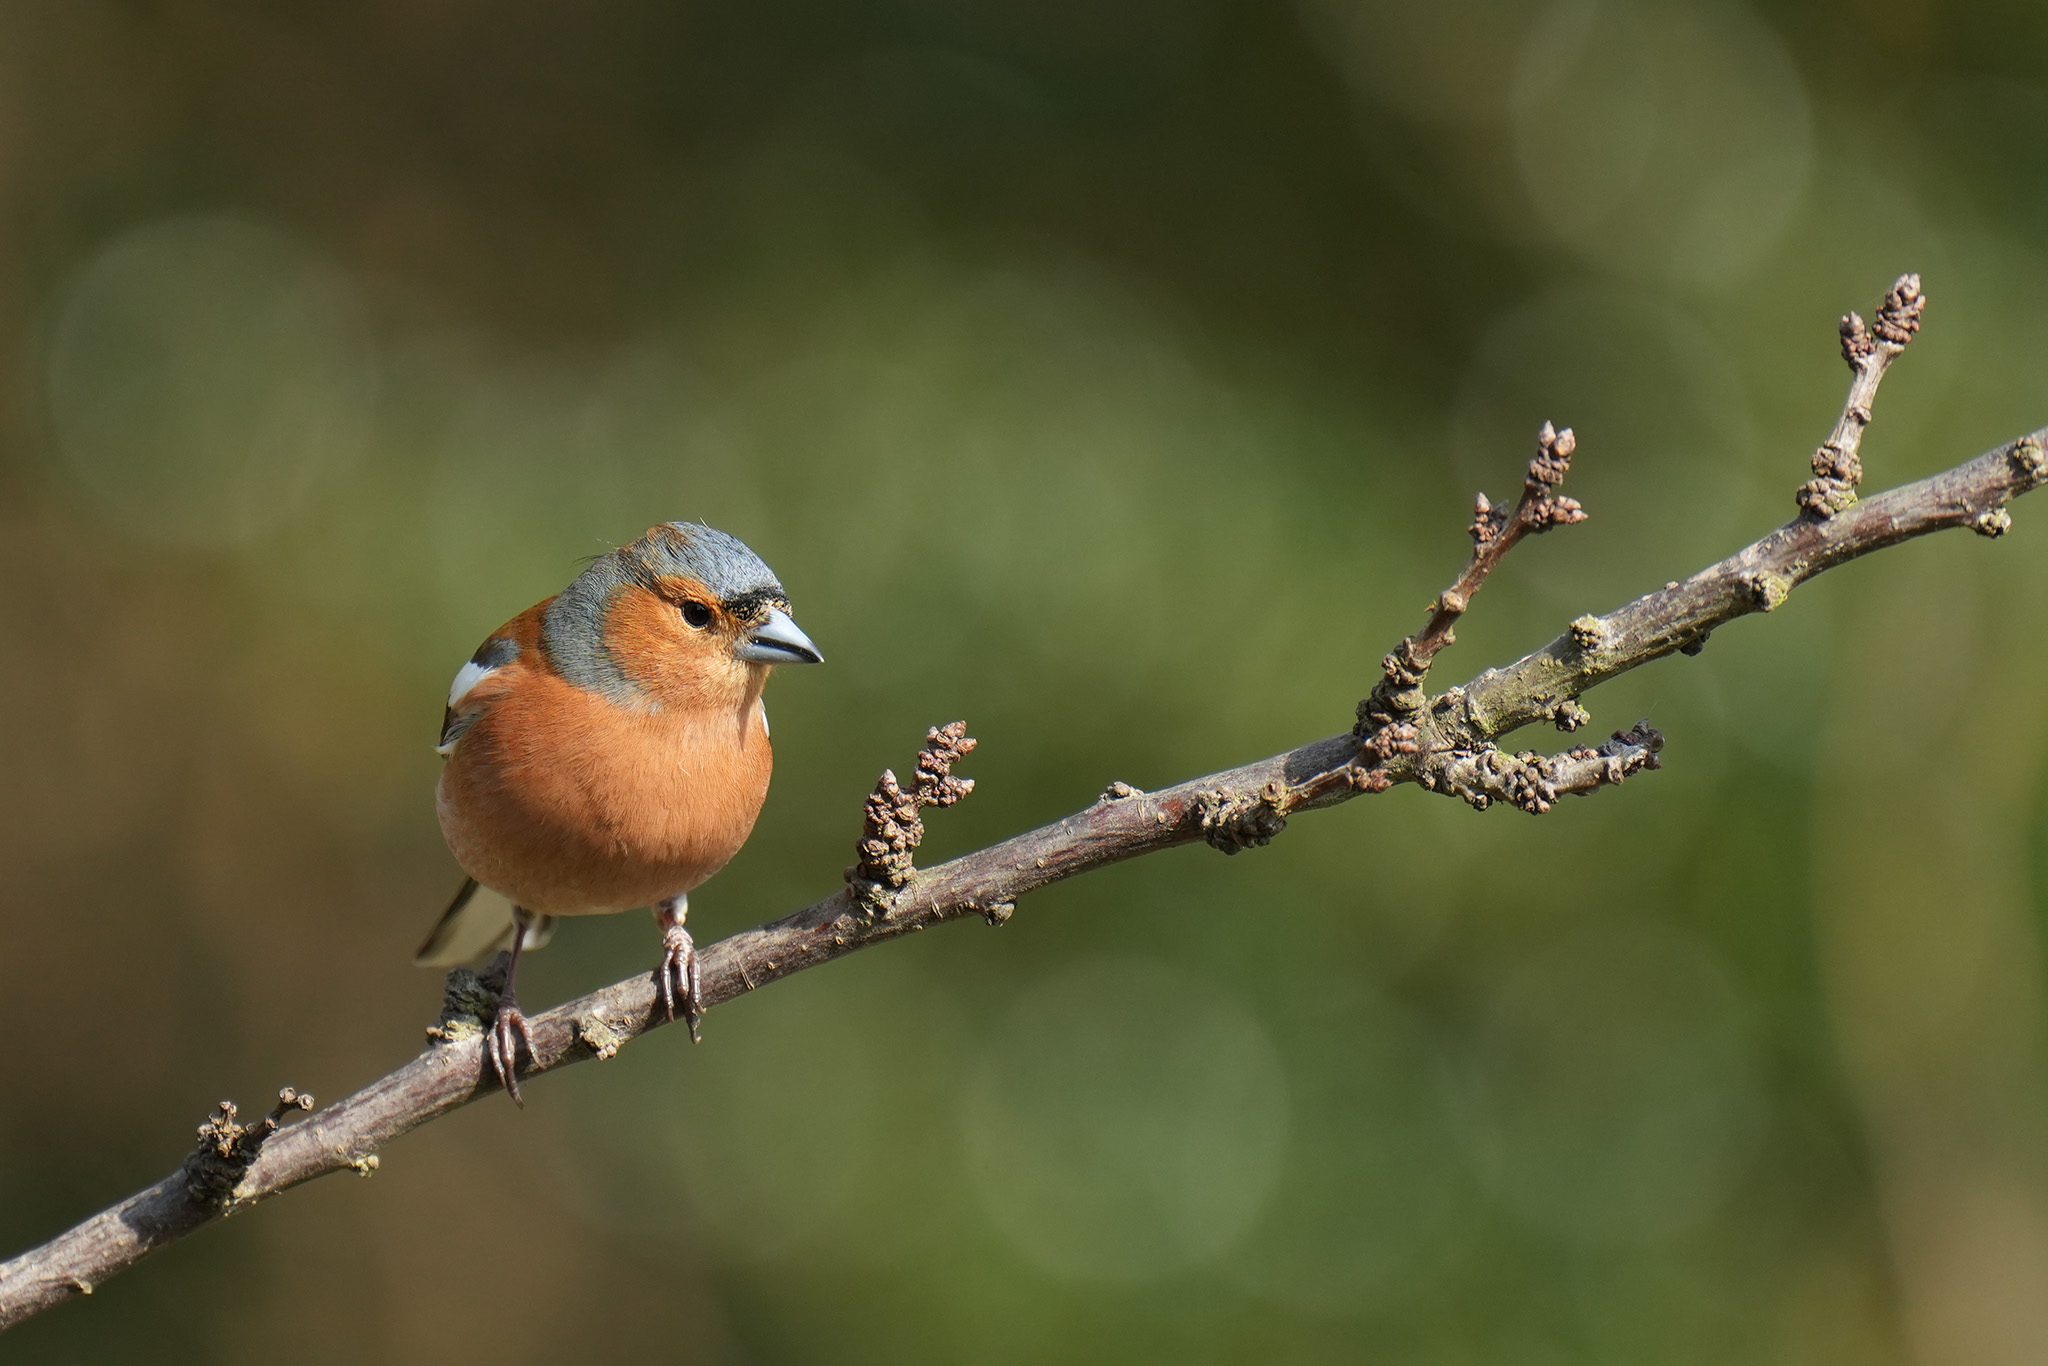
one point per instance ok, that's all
(696, 615)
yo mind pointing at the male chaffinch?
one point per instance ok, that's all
(606, 749)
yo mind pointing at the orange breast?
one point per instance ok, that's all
(572, 805)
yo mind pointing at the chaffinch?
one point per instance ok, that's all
(606, 749)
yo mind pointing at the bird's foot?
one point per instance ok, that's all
(508, 1034)
(677, 982)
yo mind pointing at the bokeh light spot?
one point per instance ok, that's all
(757, 1154)
(1674, 140)
(1126, 1123)
(205, 376)
(1615, 1097)
(1372, 1206)
(1441, 63)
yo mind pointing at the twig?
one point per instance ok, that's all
(891, 824)
(1389, 730)
(1533, 783)
(1758, 578)
(1838, 464)
(228, 1148)
(1444, 744)
(1494, 533)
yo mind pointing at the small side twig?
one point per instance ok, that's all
(1533, 782)
(1495, 531)
(227, 1148)
(892, 824)
(1388, 728)
(1869, 352)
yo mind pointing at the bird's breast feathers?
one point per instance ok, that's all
(568, 802)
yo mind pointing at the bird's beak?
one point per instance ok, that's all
(778, 640)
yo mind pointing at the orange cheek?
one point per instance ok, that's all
(653, 647)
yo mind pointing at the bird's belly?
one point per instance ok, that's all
(580, 828)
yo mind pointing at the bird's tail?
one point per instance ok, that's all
(477, 924)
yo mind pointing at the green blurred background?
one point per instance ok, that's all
(1118, 378)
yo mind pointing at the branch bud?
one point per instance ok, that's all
(1898, 317)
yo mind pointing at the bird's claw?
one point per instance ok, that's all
(509, 1033)
(677, 981)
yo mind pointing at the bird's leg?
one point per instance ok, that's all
(508, 1028)
(676, 981)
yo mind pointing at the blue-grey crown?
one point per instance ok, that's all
(720, 562)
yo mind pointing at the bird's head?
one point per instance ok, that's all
(686, 615)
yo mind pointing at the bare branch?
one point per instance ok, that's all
(1444, 744)
(1757, 578)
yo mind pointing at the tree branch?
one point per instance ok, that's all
(1443, 744)
(1758, 578)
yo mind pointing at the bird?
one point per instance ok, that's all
(607, 749)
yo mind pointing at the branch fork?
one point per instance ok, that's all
(1396, 741)
(1494, 531)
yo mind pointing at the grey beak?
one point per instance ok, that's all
(778, 640)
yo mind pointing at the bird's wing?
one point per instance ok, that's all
(477, 924)
(477, 683)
